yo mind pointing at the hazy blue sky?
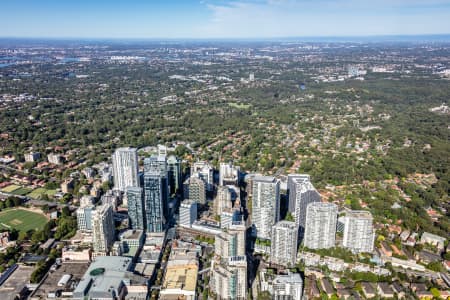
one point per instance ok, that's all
(220, 18)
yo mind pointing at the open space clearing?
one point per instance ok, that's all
(21, 191)
(10, 188)
(240, 105)
(37, 193)
(22, 220)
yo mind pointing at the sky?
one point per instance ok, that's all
(178, 19)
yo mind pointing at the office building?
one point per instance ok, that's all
(301, 193)
(111, 197)
(287, 287)
(283, 249)
(223, 199)
(228, 174)
(320, 227)
(359, 234)
(103, 230)
(125, 168)
(55, 159)
(230, 279)
(204, 171)
(188, 213)
(228, 216)
(155, 193)
(135, 200)
(231, 242)
(174, 174)
(108, 277)
(32, 156)
(84, 218)
(180, 277)
(195, 189)
(130, 241)
(265, 205)
(162, 150)
(67, 186)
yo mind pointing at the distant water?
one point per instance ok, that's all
(70, 59)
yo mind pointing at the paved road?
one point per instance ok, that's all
(42, 202)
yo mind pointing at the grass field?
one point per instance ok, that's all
(21, 192)
(240, 105)
(37, 193)
(21, 219)
(10, 188)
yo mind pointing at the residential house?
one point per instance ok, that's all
(368, 289)
(327, 287)
(384, 290)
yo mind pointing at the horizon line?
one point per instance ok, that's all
(445, 36)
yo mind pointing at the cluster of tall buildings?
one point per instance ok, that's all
(313, 223)
(148, 191)
(99, 222)
(147, 194)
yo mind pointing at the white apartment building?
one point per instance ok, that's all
(320, 226)
(265, 205)
(283, 249)
(125, 168)
(359, 234)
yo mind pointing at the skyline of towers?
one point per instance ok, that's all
(125, 168)
(265, 205)
(283, 250)
(320, 226)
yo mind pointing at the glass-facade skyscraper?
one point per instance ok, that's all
(155, 193)
(135, 207)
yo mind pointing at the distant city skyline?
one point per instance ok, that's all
(203, 19)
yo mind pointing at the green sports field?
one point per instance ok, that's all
(37, 193)
(21, 219)
(10, 188)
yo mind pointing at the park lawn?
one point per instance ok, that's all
(37, 193)
(51, 193)
(10, 188)
(22, 220)
(22, 191)
(239, 105)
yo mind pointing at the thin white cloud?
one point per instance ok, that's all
(282, 18)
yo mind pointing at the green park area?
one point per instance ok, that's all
(10, 188)
(240, 105)
(21, 191)
(39, 192)
(21, 219)
(24, 191)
